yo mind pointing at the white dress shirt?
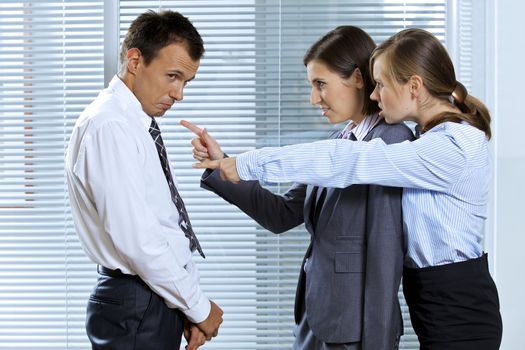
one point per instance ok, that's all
(445, 174)
(121, 202)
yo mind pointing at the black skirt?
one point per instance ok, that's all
(454, 306)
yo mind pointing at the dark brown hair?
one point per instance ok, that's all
(342, 50)
(418, 52)
(152, 31)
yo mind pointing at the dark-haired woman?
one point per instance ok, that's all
(347, 292)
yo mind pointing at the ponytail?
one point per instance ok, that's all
(473, 111)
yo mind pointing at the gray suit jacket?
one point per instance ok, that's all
(350, 276)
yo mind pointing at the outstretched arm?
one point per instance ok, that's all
(434, 162)
(277, 213)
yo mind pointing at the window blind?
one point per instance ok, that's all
(471, 44)
(51, 66)
(251, 91)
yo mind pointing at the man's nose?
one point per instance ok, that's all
(177, 91)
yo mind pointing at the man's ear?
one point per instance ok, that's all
(134, 58)
(357, 79)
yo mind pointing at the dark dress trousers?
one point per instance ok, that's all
(124, 314)
(349, 279)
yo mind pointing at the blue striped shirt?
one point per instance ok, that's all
(445, 175)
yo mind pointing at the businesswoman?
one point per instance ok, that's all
(347, 291)
(445, 173)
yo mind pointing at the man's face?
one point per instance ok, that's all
(158, 85)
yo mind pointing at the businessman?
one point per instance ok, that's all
(127, 210)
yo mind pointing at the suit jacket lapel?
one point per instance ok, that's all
(309, 207)
(313, 195)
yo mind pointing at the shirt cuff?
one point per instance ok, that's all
(199, 312)
(246, 164)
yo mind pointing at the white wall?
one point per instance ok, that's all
(506, 78)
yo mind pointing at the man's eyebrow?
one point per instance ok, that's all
(175, 71)
(179, 72)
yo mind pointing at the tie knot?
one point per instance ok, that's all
(154, 129)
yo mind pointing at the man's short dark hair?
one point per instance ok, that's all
(152, 31)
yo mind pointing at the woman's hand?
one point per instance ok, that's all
(227, 167)
(204, 145)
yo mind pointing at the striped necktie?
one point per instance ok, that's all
(184, 220)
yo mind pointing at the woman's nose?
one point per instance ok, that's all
(315, 97)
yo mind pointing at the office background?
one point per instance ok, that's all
(251, 91)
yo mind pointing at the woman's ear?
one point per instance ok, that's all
(356, 79)
(415, 85)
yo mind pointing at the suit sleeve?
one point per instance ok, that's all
(277, 213)
(383, 323)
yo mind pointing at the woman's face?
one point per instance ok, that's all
(340, 99)
(393, 98)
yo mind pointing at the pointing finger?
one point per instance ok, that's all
(191, 127)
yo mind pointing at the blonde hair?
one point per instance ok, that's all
(418, 52)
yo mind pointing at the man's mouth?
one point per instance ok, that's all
(166, 106)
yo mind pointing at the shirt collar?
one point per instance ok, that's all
(129, 100)
(362, 129)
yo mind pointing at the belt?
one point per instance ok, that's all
(112, 273)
